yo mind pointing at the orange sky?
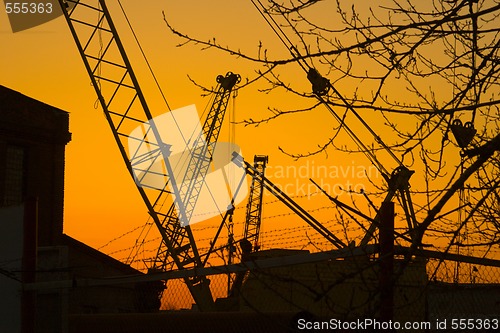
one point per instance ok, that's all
(43, 63)
(101, 201)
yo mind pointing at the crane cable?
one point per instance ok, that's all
(306, 67)
(473, 55)
(144, 55)
(186, 140)
(100, 53)
(147, 226)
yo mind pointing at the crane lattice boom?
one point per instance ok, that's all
(125, 109)
(254, 205)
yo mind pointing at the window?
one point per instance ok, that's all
(14, 174)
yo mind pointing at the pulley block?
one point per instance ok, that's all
(463, 133)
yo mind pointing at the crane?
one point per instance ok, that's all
(250, 239)
(254, 205)
(398, 179)
(289, 202)
(126, 109)
(197, 167)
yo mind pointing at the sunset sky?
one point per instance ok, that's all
(101, 202)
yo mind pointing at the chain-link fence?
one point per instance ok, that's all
(286, 291)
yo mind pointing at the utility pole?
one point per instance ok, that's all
(386, 281)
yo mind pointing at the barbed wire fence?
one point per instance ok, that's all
(282, 286)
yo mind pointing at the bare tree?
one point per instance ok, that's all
(421, 81)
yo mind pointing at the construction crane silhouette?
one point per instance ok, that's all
(253, 216)
(126, 109)
(254, 206)
(398, 179)
(292, 205)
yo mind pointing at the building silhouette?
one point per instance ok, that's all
(33, 137)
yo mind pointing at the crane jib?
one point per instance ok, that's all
(125, 109)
